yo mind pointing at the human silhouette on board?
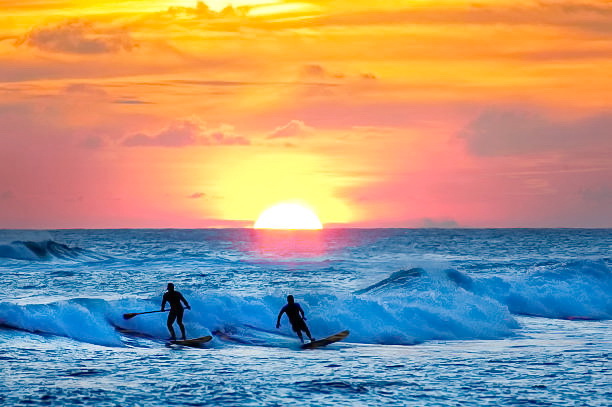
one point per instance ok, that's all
(175, 299)
(295, 313)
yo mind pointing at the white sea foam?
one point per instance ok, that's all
(409, 307)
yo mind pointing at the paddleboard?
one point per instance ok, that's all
(193, 342)
(326, 341)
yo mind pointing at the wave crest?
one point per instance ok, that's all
(408, 307)
(46, 250)
(573, 290)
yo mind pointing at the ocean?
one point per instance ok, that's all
(438, 317)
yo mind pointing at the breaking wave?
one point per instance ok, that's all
(572, 290)
(46, 250)
(371, 318)
(408, 307)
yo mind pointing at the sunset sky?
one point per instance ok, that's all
(394, 113)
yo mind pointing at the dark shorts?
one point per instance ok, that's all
(176, 314)
(298, 325)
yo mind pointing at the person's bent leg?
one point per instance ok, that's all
(308, 333)
(171, 318)
(297, 331)
(179, 321)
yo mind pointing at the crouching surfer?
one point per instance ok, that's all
(295, 313)
(175, 299)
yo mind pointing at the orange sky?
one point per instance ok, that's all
(375, 113)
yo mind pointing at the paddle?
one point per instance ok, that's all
(133, 314)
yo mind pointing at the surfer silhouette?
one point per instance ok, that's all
(295, 313)
(175, 299)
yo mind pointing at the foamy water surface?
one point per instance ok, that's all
(437, 317)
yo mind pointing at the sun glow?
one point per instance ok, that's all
(288, 216)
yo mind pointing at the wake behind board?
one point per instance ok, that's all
(196, 342)
(133, 333)
(326, 341)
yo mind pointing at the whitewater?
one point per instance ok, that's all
(438, 317)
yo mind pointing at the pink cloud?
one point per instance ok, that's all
(295, 128)
(197, 195)
(186, 133)
(226, 139)
(178, 134)
(500, 132)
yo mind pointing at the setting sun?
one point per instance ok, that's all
(288, 216)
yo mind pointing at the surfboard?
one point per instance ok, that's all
(326, 341)
(193, 342)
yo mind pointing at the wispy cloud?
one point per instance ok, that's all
(186, 133)
(197, 195)
(77, 36)
(131, 101)
(295, 128)
(178, 134)
(584, 15)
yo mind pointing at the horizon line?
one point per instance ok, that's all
(323, 229)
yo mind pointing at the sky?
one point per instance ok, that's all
(395, 113)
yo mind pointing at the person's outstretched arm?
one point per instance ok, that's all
(280, 314)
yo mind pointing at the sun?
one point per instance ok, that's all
(288, 216)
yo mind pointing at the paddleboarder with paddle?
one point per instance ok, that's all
(176, 300)
(295, 313)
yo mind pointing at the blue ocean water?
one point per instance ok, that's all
(437, 317)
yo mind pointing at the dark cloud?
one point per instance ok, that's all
(185, 133)
(499, 132)
(131, 102)
(295, 128)
(78, 36)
